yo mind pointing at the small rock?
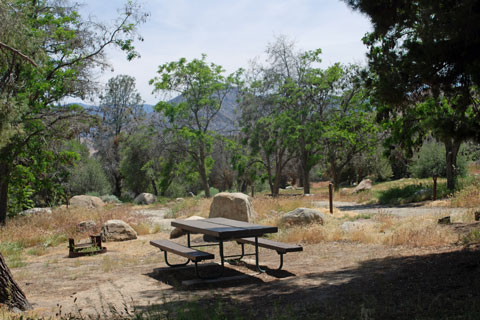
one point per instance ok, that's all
(145, 198)
(117, 230)
(176, 233)
(83, 201)
(85, 226)
(344, 191)
(444, 220)
(366, 184)
(191, 194)
(301, 216)
(179, 200)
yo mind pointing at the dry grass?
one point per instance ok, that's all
(191, 207)
(380, 229)
(469, 197)
(50, 229)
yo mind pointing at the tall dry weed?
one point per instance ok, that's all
(469, 197)
(421, 235)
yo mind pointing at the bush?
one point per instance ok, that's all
(110, 199)
(213, 192)
(431, 161)
(411, 193)
(89, 177)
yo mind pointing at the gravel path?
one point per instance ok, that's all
(401, 211)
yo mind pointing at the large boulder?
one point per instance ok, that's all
(366, 184)
(236, 206)
(83, 201)
(117, 230)
(145, 198)
(176, 233)
(86, 226)
(35, 211)
(302, 216)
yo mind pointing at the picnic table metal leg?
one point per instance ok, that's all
(256, 257)
(222, 259)
(281, 261)
(174, 265)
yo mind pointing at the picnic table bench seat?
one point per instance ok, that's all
(189, 253)
(280, 247)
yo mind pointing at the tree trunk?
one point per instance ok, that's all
(117, 186)
(300, 176)
(10, 293)
(306, 179)
(203, 173)
(4, 179)
(335, 175)
(451, 151)
(305, 170)
(154, 186)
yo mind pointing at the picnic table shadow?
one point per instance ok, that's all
(433, 286)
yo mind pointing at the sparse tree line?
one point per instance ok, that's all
(295, 119)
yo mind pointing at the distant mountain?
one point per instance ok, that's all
(225, 121)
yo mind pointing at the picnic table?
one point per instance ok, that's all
(221, 230)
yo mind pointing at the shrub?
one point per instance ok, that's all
(431, 161)
(110, 198)
(87, 177)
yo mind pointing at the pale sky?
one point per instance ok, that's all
(232, 33)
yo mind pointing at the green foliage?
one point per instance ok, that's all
(202, 88)
(59, 51)
(425, 72)
(110, 198)
(411, 193)
(12, 252)
(430, 161)
(87, 177)
(121, 109)
(176, 189)
(213, 192)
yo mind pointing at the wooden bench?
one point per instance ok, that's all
(83, 249)
(189, 253)
(280, 247)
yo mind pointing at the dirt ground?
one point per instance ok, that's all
(331, 279)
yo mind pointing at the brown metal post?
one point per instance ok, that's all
(434, 188)
(330, 197)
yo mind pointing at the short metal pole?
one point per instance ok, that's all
(330, 197)
(188, 239)
(435, 188)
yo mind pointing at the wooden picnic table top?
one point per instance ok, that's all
(223, 228)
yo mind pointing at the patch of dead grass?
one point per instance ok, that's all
(381, 229)
(469, 197)
(43, 229)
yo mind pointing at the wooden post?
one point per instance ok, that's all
(435, 188)
(330, 197)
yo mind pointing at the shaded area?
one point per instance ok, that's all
(435, 286)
